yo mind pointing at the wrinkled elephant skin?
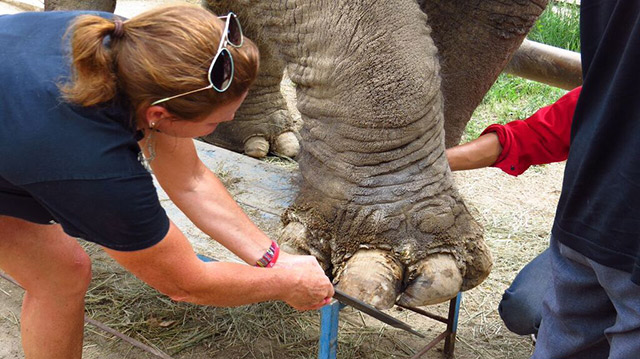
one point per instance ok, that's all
(475, 42)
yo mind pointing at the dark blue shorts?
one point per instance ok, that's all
(118, 213)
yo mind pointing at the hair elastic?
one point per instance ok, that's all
(118, 30)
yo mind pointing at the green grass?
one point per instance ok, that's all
(559, 25)
(514, 98)
(510, 98)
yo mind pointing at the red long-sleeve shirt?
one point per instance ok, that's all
(541, 138)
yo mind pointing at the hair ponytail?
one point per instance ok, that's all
(93, 70)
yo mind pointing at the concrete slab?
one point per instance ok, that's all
(262, 189)
(7, 8)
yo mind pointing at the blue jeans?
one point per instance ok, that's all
(521, 304)
(589, 311)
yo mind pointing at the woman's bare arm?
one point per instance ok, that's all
(204, 199)
(172, 268)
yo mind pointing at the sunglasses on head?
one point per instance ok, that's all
(221, 68)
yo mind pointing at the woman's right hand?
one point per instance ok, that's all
(311, 288)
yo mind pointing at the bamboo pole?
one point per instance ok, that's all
(547, 64)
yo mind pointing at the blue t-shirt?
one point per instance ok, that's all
(599, 209)
(79, 164)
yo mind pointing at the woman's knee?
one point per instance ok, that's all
(71, 277)
(79, 270)
(43, 259)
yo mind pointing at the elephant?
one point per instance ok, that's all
(383, 87)
(103, 5)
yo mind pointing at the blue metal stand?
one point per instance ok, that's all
(452, 326)
(328, 345)
(329, 330)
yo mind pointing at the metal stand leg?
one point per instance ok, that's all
(449, 335)
(452, 326)
(329, 330)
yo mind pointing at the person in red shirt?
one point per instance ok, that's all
(518, 145)
(514, 147)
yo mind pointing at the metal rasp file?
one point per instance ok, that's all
(373, 311)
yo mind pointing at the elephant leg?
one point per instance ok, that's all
(378, 206)
(475, 41)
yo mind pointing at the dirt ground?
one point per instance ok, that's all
(517, 214)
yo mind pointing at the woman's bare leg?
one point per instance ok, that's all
(55, 272)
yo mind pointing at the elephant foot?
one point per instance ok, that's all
(256, 147)
(373, 276)
(293, 240)
(376, 277)
(254, 138)
(286, 144)
(437, 279)
(261, 126)
(383, 270)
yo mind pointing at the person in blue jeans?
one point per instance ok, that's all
(514, 147)
(591, 308)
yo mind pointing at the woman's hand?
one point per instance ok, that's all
(313, 288)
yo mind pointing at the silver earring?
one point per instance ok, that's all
(150, 145)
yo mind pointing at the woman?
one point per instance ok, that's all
(70, 165)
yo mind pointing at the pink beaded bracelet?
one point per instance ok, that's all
(270, 257)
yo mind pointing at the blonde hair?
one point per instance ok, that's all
(159, 53)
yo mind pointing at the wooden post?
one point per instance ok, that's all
(547, 64)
